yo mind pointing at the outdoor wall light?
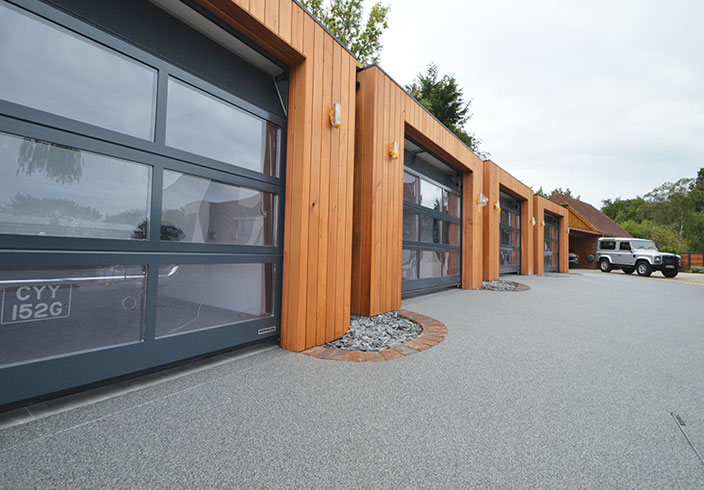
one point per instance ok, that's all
(393, 150)
(532, 221)
(497, 205)
(542, 223)
(335, 115)
(482, 200)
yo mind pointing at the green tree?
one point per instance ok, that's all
(343, 18)
(444, 98)
(624, 209)
(672, 203)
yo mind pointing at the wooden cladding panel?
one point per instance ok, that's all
(472, 231)
(496, 180)
(580, 223)
(319, 167)
(378, 226)
(385, 113)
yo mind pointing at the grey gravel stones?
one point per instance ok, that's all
(374, 333)
(500, 285)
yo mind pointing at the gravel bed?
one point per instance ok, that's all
(374, 333)
(500, 285)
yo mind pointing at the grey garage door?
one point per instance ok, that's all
(510, 235)
(552, 243)
(141, 195)
(432, 222)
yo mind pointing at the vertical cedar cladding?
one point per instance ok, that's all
(319, 165)
(385, 113)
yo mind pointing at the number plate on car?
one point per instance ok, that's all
(669, 267)
(34, 302)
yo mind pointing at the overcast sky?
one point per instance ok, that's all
(603, 97)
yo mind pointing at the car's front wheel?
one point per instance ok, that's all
(643, 268)
(605, 265)
(628, 270)
(670, 273)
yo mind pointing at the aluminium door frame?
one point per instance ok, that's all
(505, 197)
(412, 287)
(40, 377)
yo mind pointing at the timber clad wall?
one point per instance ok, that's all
(319, 165)
(496, 180)
(540, 206)
(386, 113)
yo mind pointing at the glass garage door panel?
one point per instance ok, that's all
(47, 312)
(48, 189)
(201, 123)
(202, 296)
(200, 210)
(510, 235)
(432, 230)
(49, 68)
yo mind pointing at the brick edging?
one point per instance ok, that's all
(433, 332)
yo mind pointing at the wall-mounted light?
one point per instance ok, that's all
(335, 115)
(497, 205)
(542, 223)
(393, 150)
(532, 221)
(482, 200)
(568, 231)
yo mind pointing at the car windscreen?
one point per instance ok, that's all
(644, 245)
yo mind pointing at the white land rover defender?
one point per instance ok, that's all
(634, 254)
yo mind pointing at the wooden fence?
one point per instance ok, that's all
(690, 259)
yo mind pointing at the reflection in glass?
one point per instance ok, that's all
(410, 226)
(451, 203)
(410, 188)
(516, 238)
(50, 189)
(430, 264)
(505, 257)
(451, 233)
(52, 69)
(200, 123)
(430, 195)
(409, 264)
(202, 296)
(200, 210)
(451, 264)
(429, 229)
(515, 220)
(505, 237)
(48, 312)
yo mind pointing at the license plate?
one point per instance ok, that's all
(35, 302)
(669, 267)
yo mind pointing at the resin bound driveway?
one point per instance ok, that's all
(570, 384)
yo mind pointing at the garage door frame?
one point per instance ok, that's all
(511, 206)
(423, 285)
(67, 371)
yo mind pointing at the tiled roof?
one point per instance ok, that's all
(596, 218)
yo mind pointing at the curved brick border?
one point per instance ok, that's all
(432, 334)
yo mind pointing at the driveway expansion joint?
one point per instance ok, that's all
(432, 334)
